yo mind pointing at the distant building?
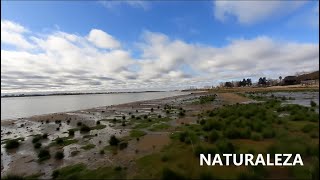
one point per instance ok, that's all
(290, 80)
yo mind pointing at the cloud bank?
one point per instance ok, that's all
(98, 61)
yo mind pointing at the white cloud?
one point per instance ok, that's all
(63, 61)
(249, 12)
(12, 33)
(102, 39)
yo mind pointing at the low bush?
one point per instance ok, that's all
(44, 136)
(71, 132)
(308, 128)
(36, 139)
(225, 147)
(37, 145)
(44, 154)
(256, 137)
(113, 141)
(11, 144)
(84, 129)
(213, 136)
(59, 155)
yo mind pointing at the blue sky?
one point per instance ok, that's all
(211, 30)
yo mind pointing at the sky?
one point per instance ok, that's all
(155, 45)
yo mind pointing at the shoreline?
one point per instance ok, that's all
(10, 121)
(77, 93)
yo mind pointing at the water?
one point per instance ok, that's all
(18, 107)
(300, 98)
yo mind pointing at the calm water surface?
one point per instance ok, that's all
(18, 107)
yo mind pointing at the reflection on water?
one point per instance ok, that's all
(18, 107)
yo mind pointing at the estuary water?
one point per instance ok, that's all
(19, 107)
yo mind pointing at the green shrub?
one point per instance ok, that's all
(256, 137)
(308, 128)
(213, 136)
(113, 141)
(232, 133)
(84, 128)
(79, 123)
(225, 147)
(11, 144)
(36, 138)
(268, 133)
(187, 137)
(98, 123)
(71, 132)
(313, 104)
(59, 155)
(44, 154)
(37, 145)
(59, 141)
(45, 136)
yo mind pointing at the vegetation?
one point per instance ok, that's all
(43, 155)
(59, 155)
(113, 141)
(88, 146)
(85, 129)
(37, 145)
(238, 128)
(313, 104)
(207, 99)
(136, 133)
(65, 141)
(12, 144)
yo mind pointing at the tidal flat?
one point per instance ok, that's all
(163, 138)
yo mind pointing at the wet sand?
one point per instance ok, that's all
(24, 161)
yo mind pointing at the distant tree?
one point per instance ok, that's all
(280, 78)
(243, 82)
(249, 82)
(262, 81)
(228, 84)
